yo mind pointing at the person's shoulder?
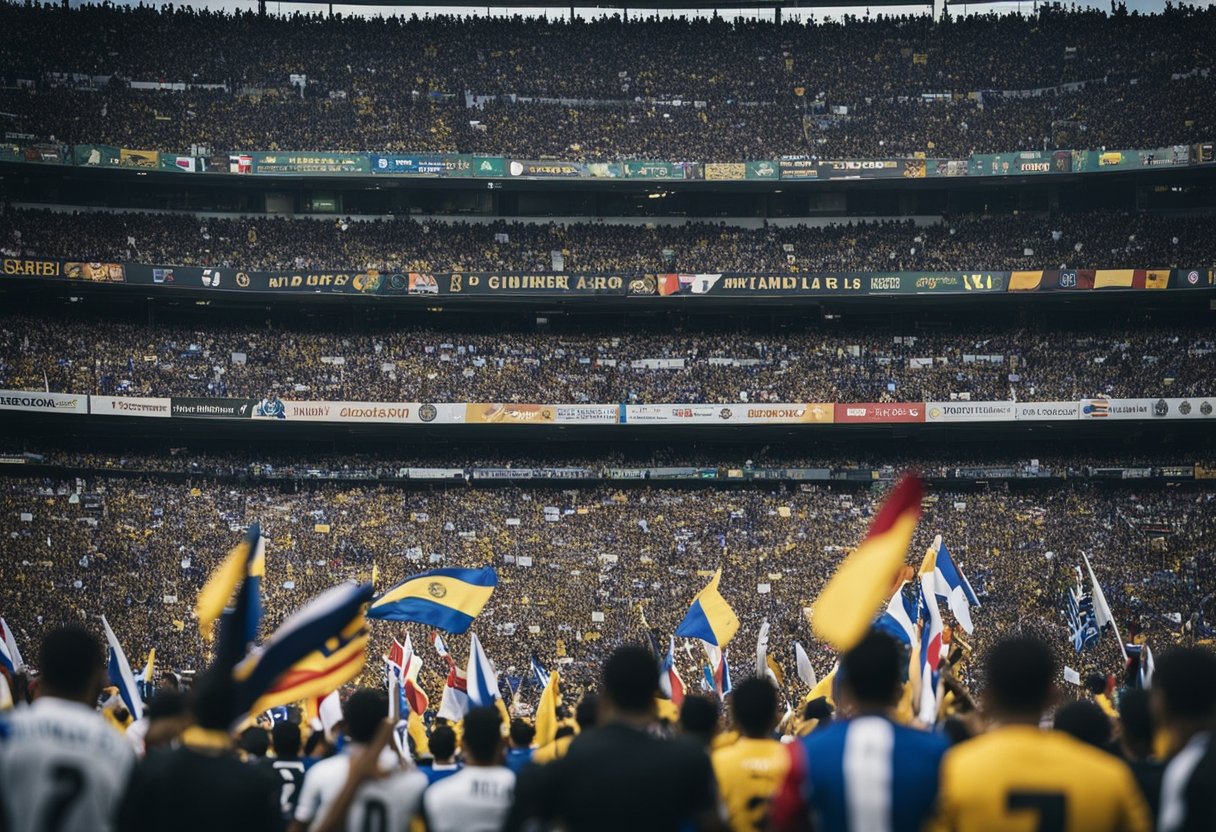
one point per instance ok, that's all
(920, 741)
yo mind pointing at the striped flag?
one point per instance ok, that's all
(482, 679)
(10, 656)
(670, 683)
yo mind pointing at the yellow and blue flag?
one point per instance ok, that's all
(233, 594)
(447, 599)
(318, 648)
(710, 618)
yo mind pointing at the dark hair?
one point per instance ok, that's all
(286, 739)
(443, 742)
(363, 712)
(871, 670)
(1085, 721)
(1019, 674)
(213, 700)
(588, 711)
(165, 704)
(699, 716)
(631, 678)
(1137, 719)
(1095, 683)
(482, 734)
(819, 708)
(255, 741)
(1186, 677)
(522, 733)
(69, 660)
(754, 705)
(170, 680)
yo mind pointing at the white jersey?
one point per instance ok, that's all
(387, 805)
(63, 768)
(474, 799)
(324, 781)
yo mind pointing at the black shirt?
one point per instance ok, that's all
(1188, 788)
(617, 777)
(188, 790)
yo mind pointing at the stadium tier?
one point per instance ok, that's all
(622, 422)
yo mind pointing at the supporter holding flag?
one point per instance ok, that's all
(750, 770)
(121, 676)
(447, 599)
(1017, 776)
(951, 585)
(60, 746)
(864, 773)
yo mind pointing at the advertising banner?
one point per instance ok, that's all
(367, 412)
(95, 155)
(798, 169)
(969, 411)
(433, 165)
(655, 170)
(737, 413)
(489, 166)
(129, 406)
(562, 170)
(305, 162)
(1192, 279)
(138, 158)
(1025, 163)
(722, 171)
(761, 170)
(587, 414)
(527, 284)
(44, 402)
(879, 413)
(760, 285)
(927, 283)
(205, 408)
(509, 414)
(1198, 407)
(1046, 411)
(182, 164)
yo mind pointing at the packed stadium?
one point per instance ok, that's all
(782, 417)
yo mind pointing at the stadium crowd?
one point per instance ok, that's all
(967, 242)
(526, 88)
(139, 550)
(399, 363)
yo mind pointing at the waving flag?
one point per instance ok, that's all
(539, 673)
(10, 656)
(897, 619)
(843, 612)
(951, 586)
(121, 676)
(455, 702)
(546, 711)
(447, 599)
(414, 694)
(717, 671)
(670, 683)
(1102, 613)
(710, 618)
(1081, 624)
(234, 591)
(806, 672)
(482, 679)
(318, 648)
(930, 643)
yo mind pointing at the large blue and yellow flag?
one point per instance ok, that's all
(318, 648)
(710, 618)
(447, 599)
(234, 591)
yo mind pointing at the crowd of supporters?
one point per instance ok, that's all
(1035, 362)
(965, 242)
(138, 551)
(530, 88)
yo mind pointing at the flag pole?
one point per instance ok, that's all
(1113, 623)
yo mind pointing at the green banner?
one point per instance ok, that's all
(762, 170)
(303, 162)
(96, 155)
(489, 166)
(655, 170)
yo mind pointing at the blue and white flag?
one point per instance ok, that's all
(482, 680)
(898, 619)
(539, 673)
(121, 675)
(930, 651)
(1082, 625)
(952, 586)
(10, 656)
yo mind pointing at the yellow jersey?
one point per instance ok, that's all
(1022, 779)
(748, 773)
(553, 751)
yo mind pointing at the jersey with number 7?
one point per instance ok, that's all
(63, 768)
(1022, 779)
